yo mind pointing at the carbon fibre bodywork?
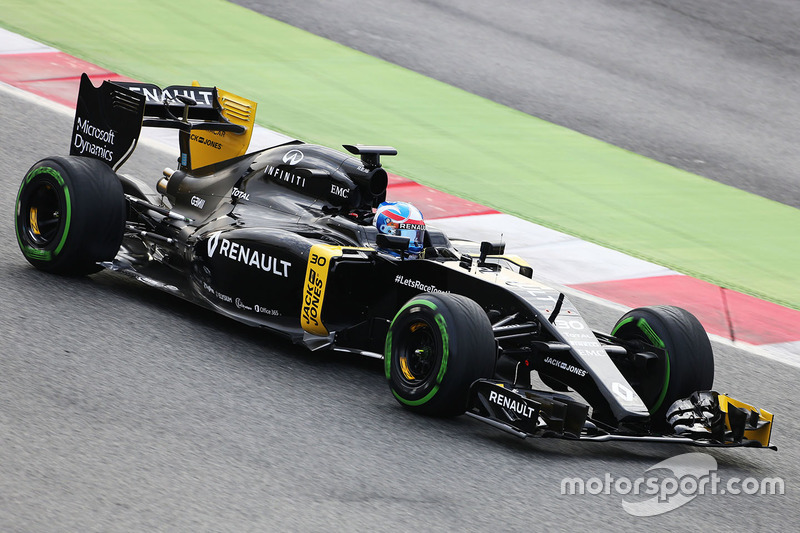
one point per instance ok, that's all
(283, 239)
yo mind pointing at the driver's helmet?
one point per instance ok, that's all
(403, 219)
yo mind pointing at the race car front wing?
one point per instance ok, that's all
(706, 418)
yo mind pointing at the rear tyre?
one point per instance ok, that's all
(686, 367)
(70, 214)
(437, 346)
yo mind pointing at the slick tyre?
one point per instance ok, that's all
(437, 346)
(70, 214)
(685, 366)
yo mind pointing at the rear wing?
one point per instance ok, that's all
(213, 125)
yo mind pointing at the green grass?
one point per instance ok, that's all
(322, 92)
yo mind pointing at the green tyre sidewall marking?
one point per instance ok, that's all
(36, 253)
(656, 340)
(622, 323)
(645, 328)
(387, 350)
(442, 324)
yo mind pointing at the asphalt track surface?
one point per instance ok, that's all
(711, 87)
(124, 409)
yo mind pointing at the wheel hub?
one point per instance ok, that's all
(417, 360)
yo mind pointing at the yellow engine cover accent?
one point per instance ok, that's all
(209, 147)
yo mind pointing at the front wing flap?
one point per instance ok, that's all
(710, 415)
(706, 418)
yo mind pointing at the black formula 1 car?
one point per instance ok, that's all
(283, 238)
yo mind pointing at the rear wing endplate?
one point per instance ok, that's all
(108, 120)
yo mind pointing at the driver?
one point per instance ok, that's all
(402, 219)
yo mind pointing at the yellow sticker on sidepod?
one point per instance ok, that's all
(319, 262)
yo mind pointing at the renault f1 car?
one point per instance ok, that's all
(283, 239)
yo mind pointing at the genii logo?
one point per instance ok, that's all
(292, 157)
(197, 202)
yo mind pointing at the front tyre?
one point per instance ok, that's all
(687, 362)
(70, 214)
(437, 346)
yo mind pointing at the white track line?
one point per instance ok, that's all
(13, 43)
